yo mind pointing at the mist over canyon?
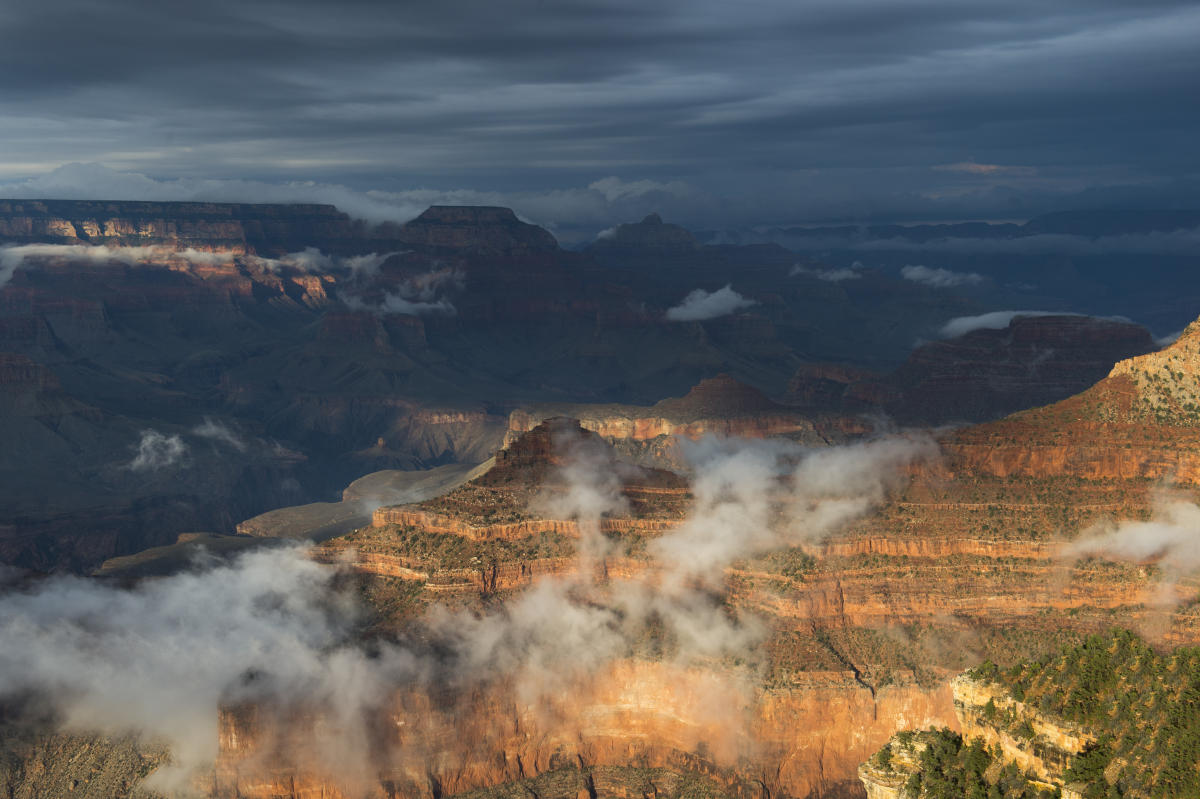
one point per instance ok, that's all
(296, 505)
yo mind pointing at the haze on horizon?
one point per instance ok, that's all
(584, 113)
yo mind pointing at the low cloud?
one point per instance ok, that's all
(416, 295)
(1169, 339)
(157, 661)
(835, 275)
(993, 320)
(359, 268)
(700, 305)
(752, 497)
(940, 278)
(219, 432)
(157, 451)
(367, 266)
(16, 256)
(312, 261)
(1170, 540)
(1171, 537)
(615, 189)
(397, 304)
(972, 168)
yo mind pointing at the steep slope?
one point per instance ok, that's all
(865, 629)
(720, 406)
(1140, 422)
(1110, 717)
(964, 562)
(984, 374)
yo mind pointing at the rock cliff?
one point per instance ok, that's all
(480, 229)
(718, 406)
(1140, 422)
(981, 375)
(632, 712)
(651, 235)
(239, 227)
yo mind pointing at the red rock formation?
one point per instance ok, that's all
(719, 406)
(652, 714)
(1142, 422)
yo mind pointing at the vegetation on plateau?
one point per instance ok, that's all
(947, 767)
(1142, 706)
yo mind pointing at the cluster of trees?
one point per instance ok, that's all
(1143, 707)
(951, 768)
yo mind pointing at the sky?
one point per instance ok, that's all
(583, 113)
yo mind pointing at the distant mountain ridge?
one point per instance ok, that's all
(1089, 224)
(266, 229)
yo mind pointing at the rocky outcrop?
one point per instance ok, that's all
(1040, 746)
(886, 780)
(650, 236)
(478, 229)
(986, 374)
(22, 377)
(717, 406)
(981, 375)
(824, 386)
(1043, 745)
(1141, 422)
(1165, 383)
(504, 501)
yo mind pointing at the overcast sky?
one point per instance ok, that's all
(582, 114)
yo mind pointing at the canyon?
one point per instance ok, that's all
(311, 349)
(251, 338)
(967, 560)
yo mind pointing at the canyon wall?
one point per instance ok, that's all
(717, 723)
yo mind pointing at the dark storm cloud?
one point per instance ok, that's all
(768, 111)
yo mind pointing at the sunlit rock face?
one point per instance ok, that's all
(266, 229)
(970, 559)
(1041, 746)
(715, 722)
(717, 406)
(1142, 421)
